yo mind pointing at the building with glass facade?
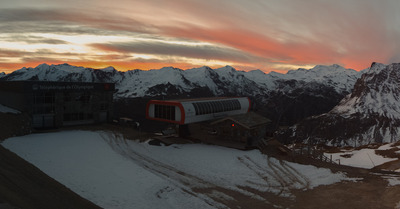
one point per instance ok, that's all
(57, 104)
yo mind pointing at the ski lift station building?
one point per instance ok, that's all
(225, 121)
(189, 111)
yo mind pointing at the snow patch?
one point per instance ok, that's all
(364, 158)
(392, 180)
(5, 109)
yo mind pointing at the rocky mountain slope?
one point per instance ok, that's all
(371, 113)
(285, 98)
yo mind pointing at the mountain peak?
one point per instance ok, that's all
(258, 72)
(43, 65)
(227, 68)
(108, 69)
(375, 67)
(377, 91)
(170, 68)
(371, 113)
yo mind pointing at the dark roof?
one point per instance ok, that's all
(249, 120)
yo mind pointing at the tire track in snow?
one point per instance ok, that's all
(264, 174)
(285, 175)
(182, 180)
(292, 178)
(179, 179)
(299, 176)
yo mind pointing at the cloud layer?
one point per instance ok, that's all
(256, 34)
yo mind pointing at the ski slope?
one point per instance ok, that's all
(116, 173)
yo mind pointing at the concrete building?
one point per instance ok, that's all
(247, 129)
(57, 104)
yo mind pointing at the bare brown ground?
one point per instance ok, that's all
(390, 166)
(372, 192)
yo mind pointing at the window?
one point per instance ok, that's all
(164, 112)
(77, 116)
(43, 103)
(44, 98)
(103, 106)
(202, 108)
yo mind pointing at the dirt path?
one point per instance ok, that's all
(372, 192)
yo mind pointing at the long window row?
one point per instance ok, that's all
(210, 107)
(164, 112)
(77, 116)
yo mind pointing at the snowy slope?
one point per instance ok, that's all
(378, 92)
(363, 158)
(116, 173)
(137, 83)
(340, 78)
(64, 72)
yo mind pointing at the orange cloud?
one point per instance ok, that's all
(120, 66)
(254, 34)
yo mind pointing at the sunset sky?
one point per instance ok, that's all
(268, 35)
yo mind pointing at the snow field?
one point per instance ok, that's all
(365, 158)
(116, 173)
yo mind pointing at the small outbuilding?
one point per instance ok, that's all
(246, 129)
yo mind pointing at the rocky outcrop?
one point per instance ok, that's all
(371, 113)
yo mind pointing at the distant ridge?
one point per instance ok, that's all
(335, 76)
(284, 98)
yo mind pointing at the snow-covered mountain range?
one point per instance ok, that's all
(371, 113)
(285, 98)
(139, 83)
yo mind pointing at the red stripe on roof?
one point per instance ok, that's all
(249, 104)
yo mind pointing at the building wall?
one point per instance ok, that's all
(16, 100)
(231, 131)
(56, 104)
